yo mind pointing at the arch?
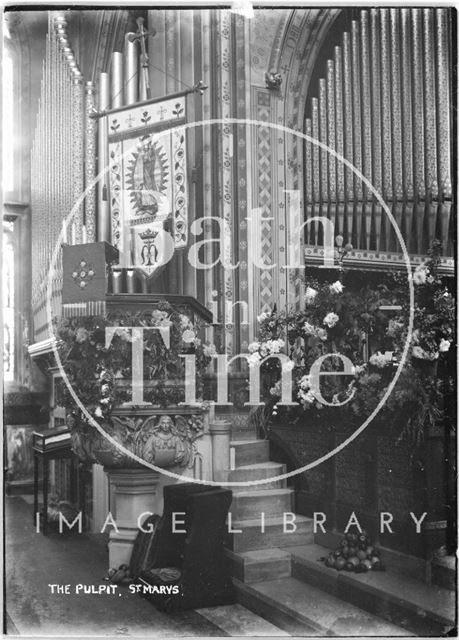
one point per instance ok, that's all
(295, 53)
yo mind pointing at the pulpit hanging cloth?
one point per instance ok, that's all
(147, 178)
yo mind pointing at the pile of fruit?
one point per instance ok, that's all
(119, 576)
(355, 553)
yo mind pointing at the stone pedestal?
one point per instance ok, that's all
(133, 492)
(220, 431)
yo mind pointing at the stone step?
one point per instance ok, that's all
(253, 537)
(259, 471)
(301, 609)
(259, 565)
(421, 609)
(251, 504)
(243, 434)
(236, 620)
(444, 572)
(250, 451)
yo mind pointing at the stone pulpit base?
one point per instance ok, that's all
(133, 492)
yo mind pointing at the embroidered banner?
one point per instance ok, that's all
(148, 190)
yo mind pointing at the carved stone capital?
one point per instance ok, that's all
(162, 439)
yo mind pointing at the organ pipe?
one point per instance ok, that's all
(338, 68)
(331, 128)
(384, 104)
(69, 149)
(103, 210)
(418, 102)
(396, 104)
(57, 164)
(356, 103)
(90, 164)
(430, 109)
(443, 101)
(366, 96)
(376, 102)
(131, 69)
(407, 122)
(116, 77)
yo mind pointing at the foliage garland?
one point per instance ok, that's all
(101, 375)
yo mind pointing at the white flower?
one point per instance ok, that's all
(420, 275)
(274, 346)
(254, 346)
(98, 412)
(444, 345)
(288, 366)
(185, 321)
(393, 328)
(263, 316)
(309, 329)
(209, 350)
(81, 335)
(254, 359)
(309, 294)
(419, 352)
(331, 319)
(307, 398)
(305, 382)
(123, 334)
(104, 400)
(105, 388)
(322, 333)
(380, 360)
(276, 390)
(159, 315)
(264, 349)
(357, 370)
(336, 287)
(188, 336)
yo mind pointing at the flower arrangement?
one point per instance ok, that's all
(339, 319)
(333, 320)
(418, 397)
(101, 375)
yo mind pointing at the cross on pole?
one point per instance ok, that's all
(141, 35)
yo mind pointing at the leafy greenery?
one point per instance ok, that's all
(101, 376)
(370, 327)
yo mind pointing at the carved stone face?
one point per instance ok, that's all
(165, 424)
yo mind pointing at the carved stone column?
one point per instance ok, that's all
(220, 431)
(132, 493)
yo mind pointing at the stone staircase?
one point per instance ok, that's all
(278, 575)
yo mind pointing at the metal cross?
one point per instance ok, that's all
(141, 35)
